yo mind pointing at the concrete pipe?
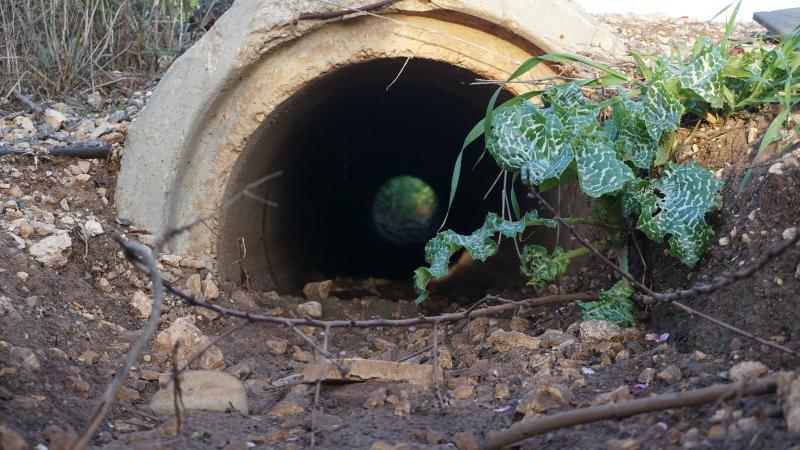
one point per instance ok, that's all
(340, 107)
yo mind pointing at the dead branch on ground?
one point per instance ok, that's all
(712, 394)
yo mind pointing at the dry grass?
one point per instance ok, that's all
(52, 47)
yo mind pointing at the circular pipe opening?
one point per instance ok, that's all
(337, 141)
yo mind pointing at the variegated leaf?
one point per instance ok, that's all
(687, 193)
(703, 75)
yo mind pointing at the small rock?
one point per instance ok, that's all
(318, 290)
(742, 428)
(311, 309)
(277, 346)
(210, 289)
(462, 392)
(205, 390)
(624, 444)
(89, 357)
(142, 304)
(723, 241)
(717, 432)
(503, 341)
(598, 331)
(553, 338)
(622, 355)
(104, 284)
(466, 441)
(293, 404)
(519, 323)
(11, 440)
(195, 286)
(670, 375)
(647, 376)
(26, 357)
(620, 394)
(747, 370)
(191, 340)
(95, 100)
(170, 260)
(50, 250)
(789, 391)
(128, 395)
(699, 356)
(78, 385)
(789, 233)
(501, 391)
(23, 276)
(776, 169)
(54, 118)
(93, 228)
(376, 398)
(543, 398)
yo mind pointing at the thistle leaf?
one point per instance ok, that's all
(703, 75)
(539, 267)
(599, 170)
(685, 194)
(480, 245)
(615, 305)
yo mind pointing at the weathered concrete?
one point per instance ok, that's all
(222, 94)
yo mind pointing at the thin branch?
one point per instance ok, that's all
(325, 354)
(110, 394)
(528, 428)
(25, 100)
(775, 251)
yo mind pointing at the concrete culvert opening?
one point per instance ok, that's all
(267, 89)
(338, 141)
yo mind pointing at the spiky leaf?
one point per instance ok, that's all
(539, 267)
(480, 245)
(676, 205)
(703, 75)
(615, 305)
(599, 170)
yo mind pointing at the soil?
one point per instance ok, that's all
(61, 314)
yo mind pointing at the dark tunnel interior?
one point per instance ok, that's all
(337, 141)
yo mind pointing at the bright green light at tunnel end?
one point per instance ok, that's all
(405, 210)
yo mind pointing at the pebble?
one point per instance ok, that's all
(141, 303)
(277, 346)
(195, 286)
(599, 331)
(717, 432)
(128, 395)
(318, 290)
(210, 289)
(466, 441)
(647, 376)
(192, 340)
(311, 309)
(60, 439)
(503, 341)
(26, 357)
(50, 250)
(670, 375)
(543, 398)
(54, 118)
(776, 169)
(624, 444)
(89, 357)
(747, 370)
(435, 437)
(93, 228)
(620, 394)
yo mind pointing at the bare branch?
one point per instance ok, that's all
(528, 428)
(146, 256)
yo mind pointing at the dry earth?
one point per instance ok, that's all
(71, 305)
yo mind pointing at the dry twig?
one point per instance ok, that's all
(528, 428)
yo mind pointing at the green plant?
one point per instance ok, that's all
(623, 162)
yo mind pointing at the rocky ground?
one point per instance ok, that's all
(71, 306)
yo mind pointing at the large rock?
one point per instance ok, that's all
(192, 340)
(207, 390)
(50, 251)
